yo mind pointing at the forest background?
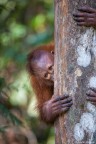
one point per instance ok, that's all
(24, 24)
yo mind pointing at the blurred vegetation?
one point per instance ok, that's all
(23, 25)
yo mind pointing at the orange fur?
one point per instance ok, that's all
(43, 91)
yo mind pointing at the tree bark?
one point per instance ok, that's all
(75, 71)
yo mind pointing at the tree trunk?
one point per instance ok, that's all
(75, 71)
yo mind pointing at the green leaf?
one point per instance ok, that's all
(2, 83)
(3, 128)
(7, 114)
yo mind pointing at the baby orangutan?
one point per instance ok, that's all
(41, 68)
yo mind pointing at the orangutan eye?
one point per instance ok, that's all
(52, 52)
(46, 75)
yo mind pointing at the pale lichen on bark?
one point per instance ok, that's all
(86, 51)
(75, 51)
(84, 47)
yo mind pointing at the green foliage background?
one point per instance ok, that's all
(24, 24)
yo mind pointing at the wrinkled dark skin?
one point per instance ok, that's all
(86, 16)
(56, 106)
(91, 95)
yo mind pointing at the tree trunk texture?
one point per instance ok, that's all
(75, 72)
